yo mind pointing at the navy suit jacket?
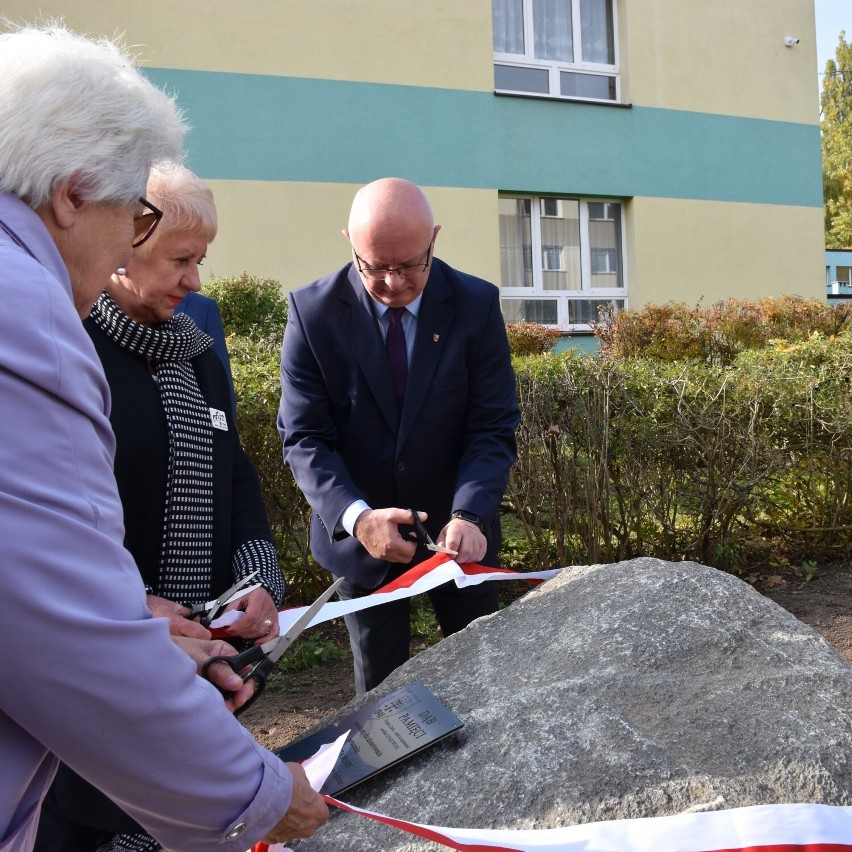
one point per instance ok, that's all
(204, 312)
(454, 443)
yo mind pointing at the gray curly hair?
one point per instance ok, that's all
(76, 107)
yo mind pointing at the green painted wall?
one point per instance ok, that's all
(257, 127)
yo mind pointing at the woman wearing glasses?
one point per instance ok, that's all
(194, 516)
(88, 676)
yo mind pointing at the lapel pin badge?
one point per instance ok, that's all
(436, 338)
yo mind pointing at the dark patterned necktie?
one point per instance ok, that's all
(397, 353)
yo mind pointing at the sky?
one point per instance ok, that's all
(832, 16)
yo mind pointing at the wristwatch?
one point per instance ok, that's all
(464, 515)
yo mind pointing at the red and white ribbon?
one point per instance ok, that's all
(421, 578)
(762, 828)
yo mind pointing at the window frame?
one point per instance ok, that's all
(563, 298)
(554, 67)
(847, 270)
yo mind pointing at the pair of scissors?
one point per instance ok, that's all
(423, 538)
(207, 612)
(259, 660)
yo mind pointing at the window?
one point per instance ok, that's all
(560, 259)
(552, 257)
(557, 48)
(844, 274)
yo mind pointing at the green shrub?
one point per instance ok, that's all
(676, 332)
(723, 436)
(255, 364)
(254, 313)
(731, 466)
(310, 651)
(250, 306)
(530, 338)
(803, 392)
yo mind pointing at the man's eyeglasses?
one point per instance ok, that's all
(378, 273)
(145, 223)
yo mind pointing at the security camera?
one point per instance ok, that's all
(790, 41)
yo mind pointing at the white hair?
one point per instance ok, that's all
(72, 107)
(186, 201)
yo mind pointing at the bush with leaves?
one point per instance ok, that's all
(804, 390)
(722, 435)
(530, 338)
(675, 332)
(731, 466)
(250, 306)
(254, 313)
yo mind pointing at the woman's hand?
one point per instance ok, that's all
(260, 616)
(219, 674)
(179, 624)
(307, 811)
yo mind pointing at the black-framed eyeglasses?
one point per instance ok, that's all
(379, 273)
(145, 223)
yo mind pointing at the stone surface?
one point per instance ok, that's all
(644, 688)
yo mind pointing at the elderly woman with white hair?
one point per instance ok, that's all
(194, 516)
(89, 677)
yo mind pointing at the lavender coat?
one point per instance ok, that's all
(87, 675)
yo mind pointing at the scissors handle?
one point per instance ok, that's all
(422, 537)
(199, 611)
(251, 663)
(420, 534)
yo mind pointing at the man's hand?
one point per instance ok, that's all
(179, 624)
(378, 531)
(307, 811)
(464, 537)
(260, 616)
(219, 674)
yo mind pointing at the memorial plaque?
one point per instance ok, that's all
(381, 735)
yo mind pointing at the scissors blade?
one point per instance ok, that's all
(439, 548)
(246, 590)
(280, 644)
(210, 611)
(424, 538)
(225, 597)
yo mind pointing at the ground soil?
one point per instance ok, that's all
(295, 701)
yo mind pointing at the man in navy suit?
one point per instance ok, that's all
(367, 443)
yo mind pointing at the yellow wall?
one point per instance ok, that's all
(691, 250)
(671, 57)
(426, 42)
(727, 61)
(292, 231)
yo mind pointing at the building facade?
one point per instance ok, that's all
(577, 152)
(838, 275)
